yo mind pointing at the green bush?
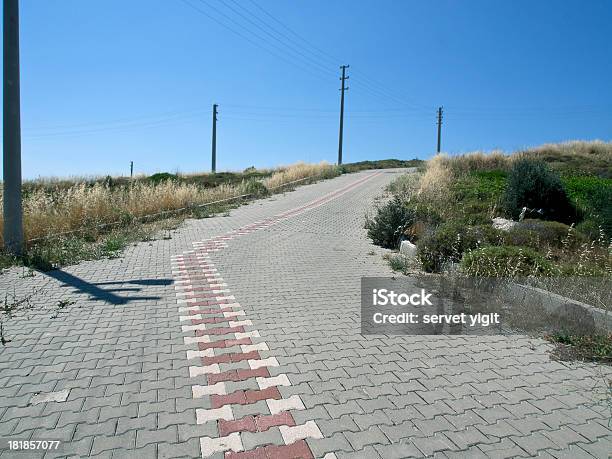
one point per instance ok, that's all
(255, 187)
(389, 223)
(539, 233)
(592, 229)
(163, 177)
(593, 196)
(451, 240)
(505, 261)
(533, 185)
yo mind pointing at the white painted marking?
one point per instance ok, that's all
(203, 415)
(196, 339)
(234, 313)
(280, 380)
(204, 370)
(269, 362)
(193, 316)
(187, 328)
(254, 347)
(215, 389)
(239, 323)
(306, 430)
(204, 353)
(249, 334)
(284, 404)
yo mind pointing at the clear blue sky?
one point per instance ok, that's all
(106, 82)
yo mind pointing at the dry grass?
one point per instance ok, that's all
(49, 211)
(300, 171)
(574, 157)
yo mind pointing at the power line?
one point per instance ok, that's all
(324, 68)
(119, 122)
(121, 128)
(247, 38)
(321, 52)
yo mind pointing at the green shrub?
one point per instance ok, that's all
(389, 223)
(163, 177)
(591, 228)
(593, 196)
(539, 233)
(519, 236)
(505, 261)
(255, 187)
(533, 185)
(450, 241)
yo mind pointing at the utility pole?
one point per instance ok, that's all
(13, 211)
(342, 89)
(214, 140)
(439, 127)
(131, 169)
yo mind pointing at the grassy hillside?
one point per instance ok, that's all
(563, 192)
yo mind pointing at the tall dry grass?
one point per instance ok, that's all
(300, 171)
(49, 211)
(573, 156)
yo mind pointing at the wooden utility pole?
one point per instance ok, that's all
(214, 140)
(13, 211)
(131, 169)
(439, 128)
(342, 89)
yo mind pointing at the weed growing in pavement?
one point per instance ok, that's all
(583, 347)
(398, 262)
(61, 304)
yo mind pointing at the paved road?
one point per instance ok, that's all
(239, 338)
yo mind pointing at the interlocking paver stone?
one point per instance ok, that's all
(119, 351)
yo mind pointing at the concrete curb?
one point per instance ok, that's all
(580, 315)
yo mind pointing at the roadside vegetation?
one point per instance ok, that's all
(380, 164)
(542, 215)
(69, 220)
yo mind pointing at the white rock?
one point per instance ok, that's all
(503, 224)
(408, 249)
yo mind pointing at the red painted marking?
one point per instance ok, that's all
(194, 278)
(223, 358)
(238, 375)
(237, 342)
(220, 331)
(297, 450)
(257, 453)
(203, 290)
(210, 320)
(204, 302)
(231, 357)
(283, 418)
(224, 343)
(253, 396)
(245, 374)
(241, 397)
(209, 311)
(235, 398)
(246, 424)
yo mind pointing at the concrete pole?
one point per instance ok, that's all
(13, 211)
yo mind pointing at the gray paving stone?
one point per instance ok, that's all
(126, 363)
